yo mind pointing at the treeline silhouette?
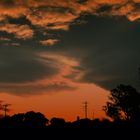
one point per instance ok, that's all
(36, 120)
(36, 125)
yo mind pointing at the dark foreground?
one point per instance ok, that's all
(73, 132)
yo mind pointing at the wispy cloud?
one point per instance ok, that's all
(5, 39)
(18, 65)
(49, 42)
(34, 89)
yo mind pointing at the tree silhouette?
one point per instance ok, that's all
(57, 122)
(123, 104)
(36, 119)
(18, 119)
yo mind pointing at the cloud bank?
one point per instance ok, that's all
(104, 51)
(107, 50)
(58, 15)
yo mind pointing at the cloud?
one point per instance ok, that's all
(59, 15)
(51, 19)
(59, 26)
(14, 44)
(1, 18)
(49, 42)
(106, 49)
(25, 72)
(20, 31)
(55, 7)
(5, 39)
(108, 52)
(43, 13)
(12, 8)
(34, 89)
(20, 65)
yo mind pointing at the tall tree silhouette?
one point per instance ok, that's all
(123, 104)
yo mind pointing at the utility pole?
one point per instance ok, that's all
(1, 108)
(1, 105)
(6, 109)
(85, 108)
(93, 115)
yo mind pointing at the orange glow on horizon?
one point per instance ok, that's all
(64, 104)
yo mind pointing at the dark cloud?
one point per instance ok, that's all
(18, 65)
(8, 2)
(104, 9)
(108, 51)
(34, 89)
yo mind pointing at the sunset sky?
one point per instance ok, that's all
(57, 54)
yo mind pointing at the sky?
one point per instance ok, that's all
(57, 54)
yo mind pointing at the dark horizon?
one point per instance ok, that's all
(57, 54)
